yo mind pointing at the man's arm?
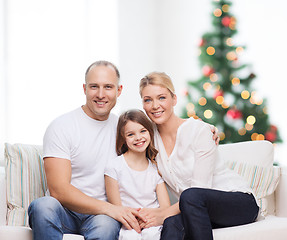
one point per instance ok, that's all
(59, 172)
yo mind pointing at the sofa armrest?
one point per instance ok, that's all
(281, 194)
(3, 204)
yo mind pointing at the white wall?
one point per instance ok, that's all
(49, 45)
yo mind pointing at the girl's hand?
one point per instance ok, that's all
(127, 216)
(153, 216)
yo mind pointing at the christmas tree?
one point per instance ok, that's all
(223, 96)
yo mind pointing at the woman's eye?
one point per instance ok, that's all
(147, 100)
(162, 98)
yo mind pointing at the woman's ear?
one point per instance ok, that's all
(174, 100)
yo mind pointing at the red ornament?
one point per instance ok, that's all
(218, 93)
(202, 42)
(273, 128)
(226, 21)
(234, 114)
(271, 136)
(207, 70)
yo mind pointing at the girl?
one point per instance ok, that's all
(132, 178)
(211, 195)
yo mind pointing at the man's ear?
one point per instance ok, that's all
(120, 89)
(84, 87)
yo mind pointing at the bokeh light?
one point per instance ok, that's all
(217, 12)
(213, 77)
(206, 86)
(202, 101)
(225, 8)
(250, 119)
(235, 81)
(210, 50)
(245, 94)
(208, 114)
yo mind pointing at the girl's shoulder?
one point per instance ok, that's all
(116, 162)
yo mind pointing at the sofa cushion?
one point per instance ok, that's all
(25, 180)
(253, 160)
(262, 180)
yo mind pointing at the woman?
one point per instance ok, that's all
(210, 195)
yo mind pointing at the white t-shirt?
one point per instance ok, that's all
(88, 144)
(137, 188)
(194, 161)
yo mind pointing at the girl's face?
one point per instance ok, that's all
(137, 137)
(158, 103)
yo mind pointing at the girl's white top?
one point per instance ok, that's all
(137, 188)
(194, 161)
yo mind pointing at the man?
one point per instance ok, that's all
(77, 146)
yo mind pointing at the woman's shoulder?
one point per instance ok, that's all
(196, 125)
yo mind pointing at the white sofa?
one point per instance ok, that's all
(260, 154)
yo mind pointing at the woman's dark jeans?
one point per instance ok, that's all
(205, 209)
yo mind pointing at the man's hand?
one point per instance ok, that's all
(127, 216)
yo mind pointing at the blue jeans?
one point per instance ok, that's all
(50, 220)
(205, 209)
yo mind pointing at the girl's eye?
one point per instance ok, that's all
(143, 131)
(130, 134)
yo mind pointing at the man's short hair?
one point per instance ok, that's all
(103, 63)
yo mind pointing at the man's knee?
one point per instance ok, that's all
(43, 208)
(102, 227)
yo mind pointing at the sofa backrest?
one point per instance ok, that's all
(260, 153)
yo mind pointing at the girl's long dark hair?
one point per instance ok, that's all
(137, 116)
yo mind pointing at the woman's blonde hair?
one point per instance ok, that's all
(137, 116)
(157, 78)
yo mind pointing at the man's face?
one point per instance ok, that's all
(101, 90)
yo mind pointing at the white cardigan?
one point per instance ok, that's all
(194, 161)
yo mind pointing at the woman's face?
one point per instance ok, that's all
(158, 103)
